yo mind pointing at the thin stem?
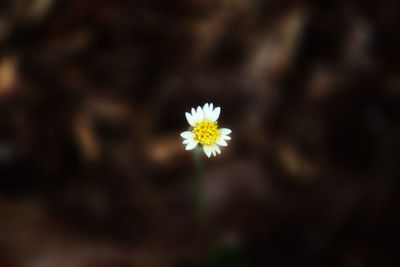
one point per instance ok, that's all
(199, 196)
(198, 161)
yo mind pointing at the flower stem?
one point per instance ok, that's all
(198, 161)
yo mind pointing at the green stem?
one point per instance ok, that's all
(199, 196)
(198, 161)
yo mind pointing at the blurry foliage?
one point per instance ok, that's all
(222, 258)
(92, 101)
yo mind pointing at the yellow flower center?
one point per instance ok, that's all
(206, 132)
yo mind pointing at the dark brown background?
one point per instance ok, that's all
(92, 101)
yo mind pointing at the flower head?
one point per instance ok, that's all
(204, 130)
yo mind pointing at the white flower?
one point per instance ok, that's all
(204, 130)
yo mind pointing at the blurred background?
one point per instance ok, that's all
(92, 101)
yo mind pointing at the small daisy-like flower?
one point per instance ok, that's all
(204, 130)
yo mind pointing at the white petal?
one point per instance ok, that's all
(206, 111)
(216, 148)
(213, 151)
(192, 144)
(200, 115)
(190, 119)
(205, 107)
(225, 131)
(221, 142)
(207, 149)
(188, 140)
(193, 111)
(215, 114)
(210, 110)
(194, 115)
(187, 134)
(225, 137)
